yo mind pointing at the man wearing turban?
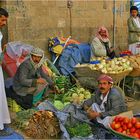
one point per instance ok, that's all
(106, 102)
(30, 82)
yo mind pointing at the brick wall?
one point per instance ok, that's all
(34, 21)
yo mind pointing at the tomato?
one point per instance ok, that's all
(133, 120)
(116, 119)
(120, 118)
(136, 135)
(132, 130)
(124, 127)
(122, 123)
(126, 120)
(112, 125)
(137, 125)
(119, 129)
(138, 131)
(127, 132)
(117, 125)
(129, 125)
(124, 132)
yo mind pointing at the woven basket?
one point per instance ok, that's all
(135, 72)
(88, 72)
(119, 76)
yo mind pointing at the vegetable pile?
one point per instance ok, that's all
(77, 95)
(43, 124)
(79, 130)
(22, 119)
(63, 83)
(74, 95)
(134, 60)
(113, 66)
(126, 126)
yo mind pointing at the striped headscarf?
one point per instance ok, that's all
(37, 52)
(104, 39)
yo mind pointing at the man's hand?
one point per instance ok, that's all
(41, 81)
(86, 108)
(112, 49)
(92, 114)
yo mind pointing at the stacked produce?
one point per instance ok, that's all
(111, 66)
(74, 95)
(126, 126)
(135, 63)
(63, 83)
(79, 130)
(134, 60)
(43, 125)
(77, 95)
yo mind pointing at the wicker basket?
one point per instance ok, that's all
(119, 76)
(135, 72)
(88, 72)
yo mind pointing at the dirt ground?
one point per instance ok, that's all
(133, 105)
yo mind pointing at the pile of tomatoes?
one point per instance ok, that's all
(127, 126)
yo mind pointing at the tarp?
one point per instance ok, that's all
(72, 55)
(14, 136)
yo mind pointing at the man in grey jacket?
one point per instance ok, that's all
(107, 100)
(30, 82)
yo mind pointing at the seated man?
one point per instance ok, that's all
(100, 45)
(106, 102)
(30, 82)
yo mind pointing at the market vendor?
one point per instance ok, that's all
(30, 82)
(106, 102)
(100, 45)
(134, 30)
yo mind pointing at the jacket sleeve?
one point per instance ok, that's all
(131, 27)
(117, 106)
(23, 76)
(46, 76)
(89, 102)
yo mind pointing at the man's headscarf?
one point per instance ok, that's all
(37, 52)
(104, 39)
(106, 78)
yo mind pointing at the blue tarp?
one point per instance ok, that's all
(14, 135)
(72, 55)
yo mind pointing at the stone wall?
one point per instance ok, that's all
(34, 21)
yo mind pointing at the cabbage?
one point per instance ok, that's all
(66, 103)
(58, 104)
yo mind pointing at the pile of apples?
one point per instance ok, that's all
(127, 126)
